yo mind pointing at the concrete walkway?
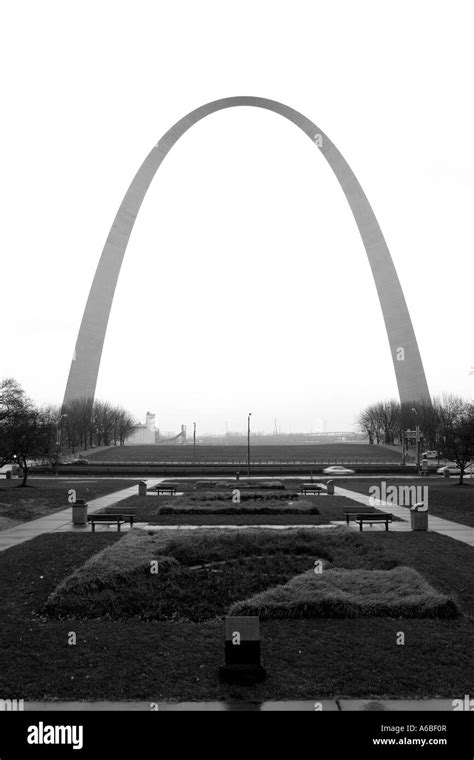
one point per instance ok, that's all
(62, 521)
(324, 705)
(448, 528)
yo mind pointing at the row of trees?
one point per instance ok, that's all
(386, 421)
(85, 423)
(29, 432)
(446, 425)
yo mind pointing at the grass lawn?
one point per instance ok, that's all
(446, 498)
(314, 452)
(305, 659)
(44, 495)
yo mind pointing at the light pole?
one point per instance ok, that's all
(58, 440)
(417, 441)
(248, 444)
(194, 442)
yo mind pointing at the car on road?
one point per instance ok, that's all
(14, 469)
(338, 469)
(430, 454)
(78, 461)
(453, 469)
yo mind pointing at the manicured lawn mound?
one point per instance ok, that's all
(340, 546)
(253, 518)
(445, 562)
(188, 594)
(254, 495)
(253, 485)
(45, 495)
(265, 507)
(109, 568)
(400, 592)
(199, 575)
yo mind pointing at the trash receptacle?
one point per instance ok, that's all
(79, 512)
(142, 488)
(419, 516)
(446, 472)
(8, 474)
(330, 487)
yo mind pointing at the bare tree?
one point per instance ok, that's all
(455, 430)
(26, 432)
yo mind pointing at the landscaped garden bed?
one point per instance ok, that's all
(209, 508)
(129, 658)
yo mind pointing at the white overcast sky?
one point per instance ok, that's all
(245, 286)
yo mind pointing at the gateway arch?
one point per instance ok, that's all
(409, 372)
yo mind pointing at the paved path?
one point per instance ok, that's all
(332, 705)
(449, 528)
(62, 521)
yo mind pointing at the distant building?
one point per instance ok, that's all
(144, 432)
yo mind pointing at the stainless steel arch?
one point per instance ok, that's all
(409, 372)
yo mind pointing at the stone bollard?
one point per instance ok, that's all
(330, 487)
(142, 488)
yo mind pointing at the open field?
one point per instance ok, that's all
(45, 495)
(333, 453)
(305, 659)
(446, 498)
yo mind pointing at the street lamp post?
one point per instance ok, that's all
(58, 441)
(194, 442)
(248, 444)
(417, 440)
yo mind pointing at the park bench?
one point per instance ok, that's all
(171, 490)
(110, 519)
(310, 488)
(369, 517)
